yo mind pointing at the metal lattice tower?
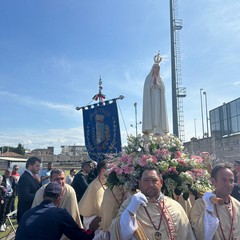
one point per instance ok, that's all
(177, 92)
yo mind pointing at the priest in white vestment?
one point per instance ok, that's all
(149, 215)
(212, 221)
(90, 203)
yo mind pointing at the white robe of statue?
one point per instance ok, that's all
(155, 118)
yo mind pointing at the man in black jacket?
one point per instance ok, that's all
(80, 182)
(28, 185)
(46, 221)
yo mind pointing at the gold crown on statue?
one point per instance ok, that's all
(157, 58)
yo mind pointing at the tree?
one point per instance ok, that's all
(20, 149)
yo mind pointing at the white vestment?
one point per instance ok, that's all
(142, 226)
(206, 227)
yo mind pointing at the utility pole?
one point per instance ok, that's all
(136, 121)
(205, 94)
(174, 89)
(202, 110)
(195, 128)
(178, 92)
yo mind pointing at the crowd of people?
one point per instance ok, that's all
(81, 206)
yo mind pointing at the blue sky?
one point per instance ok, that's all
(53, 52)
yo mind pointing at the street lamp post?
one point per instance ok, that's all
(136, 121)
(202, 111)
(195, 127)
(205, 94)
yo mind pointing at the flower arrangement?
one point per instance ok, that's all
(182, 173)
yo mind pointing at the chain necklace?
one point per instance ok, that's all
(161, 213)
(101, 184)
(232, 218)
(121, 201)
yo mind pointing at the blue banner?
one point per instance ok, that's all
(101, 130)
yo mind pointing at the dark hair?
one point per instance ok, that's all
(101, 165)
(32, 161)
(86, 162)
(219, 167)
(72, 170)
(236, 162)
(56, 171)
(50, 163)
(149, 168)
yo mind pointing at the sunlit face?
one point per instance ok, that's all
(60, 178)
(50, 166)
(16, 168)
(150, 184)
(7, 173)
(35, 167)
(224, 182)
(87, 168)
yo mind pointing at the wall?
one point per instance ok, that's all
(226, 149)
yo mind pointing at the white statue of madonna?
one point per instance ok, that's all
(155, 118)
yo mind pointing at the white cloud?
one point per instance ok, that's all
(50, 138)
(39, 139)
(25, 100)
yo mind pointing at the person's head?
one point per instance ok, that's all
(222, 178)
(237, 166)
(94, 164)
(150, 182)
(72, 172)
(15, 168)
(50, 166)
(86, 166)
(155, 69)
(57, 175)
(238, 179)
(8, 172)
(101, 168)
(33, 164)
(53, 192)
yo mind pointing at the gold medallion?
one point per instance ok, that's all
(158, 236)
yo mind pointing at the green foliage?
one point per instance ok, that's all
(19, 149)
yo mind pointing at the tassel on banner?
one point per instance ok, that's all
(99, 97)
